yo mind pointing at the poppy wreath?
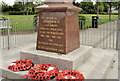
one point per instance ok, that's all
(42, 72)
(21, 65)
(71, 75)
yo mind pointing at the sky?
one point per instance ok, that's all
(11, 2)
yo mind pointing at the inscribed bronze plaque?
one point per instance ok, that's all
(51, 32)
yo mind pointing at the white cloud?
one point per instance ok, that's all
(9, 2)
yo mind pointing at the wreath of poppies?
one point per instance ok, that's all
(71, 75)
(20, 65)
(43, 72)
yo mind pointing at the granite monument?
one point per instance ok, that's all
(58, 27)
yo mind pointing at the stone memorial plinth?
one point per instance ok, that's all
(58, 29)
(72, 61)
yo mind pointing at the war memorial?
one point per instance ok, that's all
(58, 44)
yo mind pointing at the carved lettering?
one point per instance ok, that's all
(51, 33)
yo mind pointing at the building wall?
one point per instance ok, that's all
(115, 11)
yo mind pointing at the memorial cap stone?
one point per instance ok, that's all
(58, 28)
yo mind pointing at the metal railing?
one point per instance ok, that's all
(104, 36)
(15, 32)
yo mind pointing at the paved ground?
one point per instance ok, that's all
(16, 40)
(14, 54)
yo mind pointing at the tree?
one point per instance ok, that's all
(106, 6)
(86, 6)
(18, 6)
(5, 7)
(119, 11)
(101, 7)
(97, 7)
(110, 3)
(74, 2)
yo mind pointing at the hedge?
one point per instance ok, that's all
(82, 21)
(19, 12)
(103, 13)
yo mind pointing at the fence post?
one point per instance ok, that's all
(8, 34)
(117, 32)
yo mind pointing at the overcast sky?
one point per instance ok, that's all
(11, 2)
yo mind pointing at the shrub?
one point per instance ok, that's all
(83, 12)
(114, 13)
(35, 22)
(82, 21)
(103, 13)
(106, 13)
(19, 12)
(14, 12)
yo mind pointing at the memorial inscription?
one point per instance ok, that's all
(58, 29)
(51, 32)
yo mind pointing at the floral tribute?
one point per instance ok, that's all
(42, 72)
(45, 71)
(21, 65)
(71, 75)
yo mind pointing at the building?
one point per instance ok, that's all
(113, 10)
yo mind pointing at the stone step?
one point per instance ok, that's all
(90, 64)
(96, 67)
(70, 61)
(113, 71)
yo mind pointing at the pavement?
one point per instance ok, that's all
(14, 54)
(18, 39)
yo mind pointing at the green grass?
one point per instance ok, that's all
(21, 22)
(25, 23)
(102, 19)
(106, 17)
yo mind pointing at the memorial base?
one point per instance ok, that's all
(97, 66)
(70, 61)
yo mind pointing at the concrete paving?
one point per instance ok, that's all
(88, 68)
(18, 39)
(14, 54)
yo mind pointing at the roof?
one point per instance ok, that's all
(58, 7)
